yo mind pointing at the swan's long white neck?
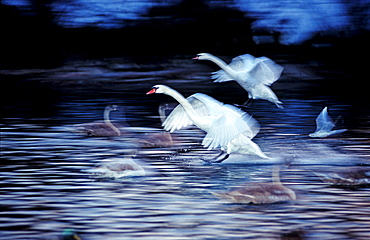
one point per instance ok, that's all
(222, 65)
(184, 103)
(109, 123)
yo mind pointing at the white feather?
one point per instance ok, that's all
(227, 126)
(324, 125)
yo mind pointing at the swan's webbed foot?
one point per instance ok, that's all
(218, 159)
(279, 104)
(247, 104)
(226, 156)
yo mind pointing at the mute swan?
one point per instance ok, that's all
(100, 129)
(260, 193)
(324, 125)
(349, 177)
(227, 126)
(117, 168)
(252, 74)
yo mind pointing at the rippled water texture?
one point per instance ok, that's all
(45, 190)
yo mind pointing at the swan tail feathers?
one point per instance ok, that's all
(279, 104)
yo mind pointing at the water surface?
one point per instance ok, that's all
(44, 189)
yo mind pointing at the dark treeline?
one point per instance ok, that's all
(32, 37)
(186, 28)
(29, 37)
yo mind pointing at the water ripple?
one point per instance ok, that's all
(44, 189)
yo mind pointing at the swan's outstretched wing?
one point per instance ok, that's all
(227, 121)
(337, 131)
(231, 123)
(265, 71)
(201, 104)
(241, 63)
(221, 76)
(324, 121)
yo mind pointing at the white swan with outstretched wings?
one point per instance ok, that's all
(227, 127)
(324, 125)
(253, 74)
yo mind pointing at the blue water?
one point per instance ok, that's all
(44, 189)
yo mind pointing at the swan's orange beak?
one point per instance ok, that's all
(151, 91)
(196, 58)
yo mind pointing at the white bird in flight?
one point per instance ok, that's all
(324, 125)
(255, 75)
(227, 127)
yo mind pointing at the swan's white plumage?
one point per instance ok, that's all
(227, 127)
(253, 70)
(179, 119)
(324, 121)
(230, 123)
(226, 121)
(266, 71)
(324, 125)
(252, 74)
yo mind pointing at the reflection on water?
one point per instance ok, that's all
(45, 190)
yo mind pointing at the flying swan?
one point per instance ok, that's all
(227, 126)
(255, 75)
(324, 125)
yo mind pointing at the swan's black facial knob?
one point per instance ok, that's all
(197, 57)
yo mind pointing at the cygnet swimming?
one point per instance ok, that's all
(260, 193)
(117, 168)
(100, 129)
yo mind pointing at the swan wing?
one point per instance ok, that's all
(228, 125)
(242, 63)
(324, 121)
(205, 105)
(337, 131)
(221, 76)
(179, 119)
(265, 71)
